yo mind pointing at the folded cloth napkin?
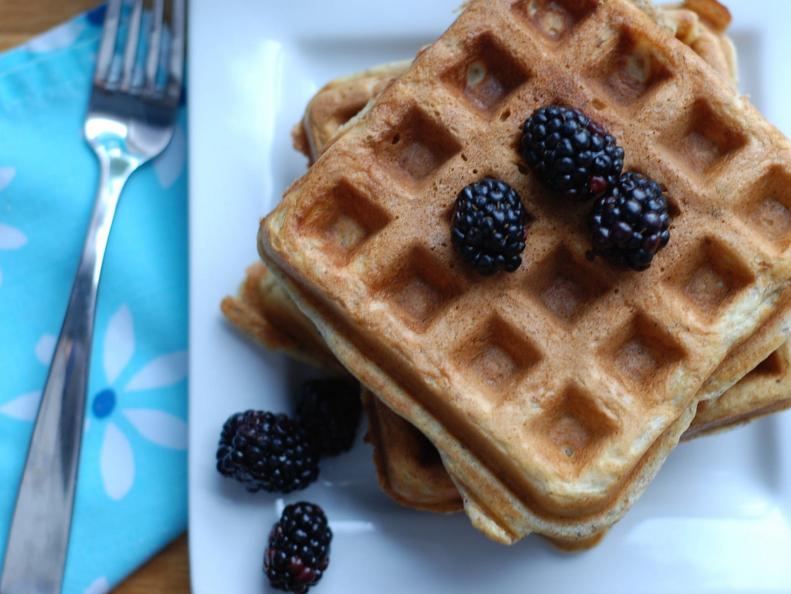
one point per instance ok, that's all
(132, 492)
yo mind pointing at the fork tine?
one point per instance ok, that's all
(107, 46)
(154, 44)
(132, 39)
(178, 39)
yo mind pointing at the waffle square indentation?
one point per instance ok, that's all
(641, 353)
(773, 366)
(768, 208)
(487, 76)
(573, 428)
(418, 146)
(566, 285)
(554, 19)
(711, 276)
(419, 288)
(343, 220)
(632, 70)
(497, 357)
(703, 140)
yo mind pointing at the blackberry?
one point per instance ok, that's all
(299, 548)
(265, 451)
(570, 152)
(488, 227)
(630, 223)
(329, 410)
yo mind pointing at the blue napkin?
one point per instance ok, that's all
(132, 493)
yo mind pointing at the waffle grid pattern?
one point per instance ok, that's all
(641, 344)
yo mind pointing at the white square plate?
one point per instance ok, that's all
(717, 519)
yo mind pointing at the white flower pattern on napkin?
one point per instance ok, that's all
(99, 586)
(56, 39)
(116, 458)
(10, 237)
(7, 175)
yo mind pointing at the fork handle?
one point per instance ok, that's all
(38, 540)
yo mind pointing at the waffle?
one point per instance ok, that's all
(701, 25)
(338, 104)
(408, 466)
(549, 419)
(263, 311)
(556, 425)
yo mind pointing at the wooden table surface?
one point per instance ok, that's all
(168, 572)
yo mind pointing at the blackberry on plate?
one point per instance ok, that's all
(630, 223)
(488, 227)
(299, 548)
(266, 451)
(570, 152)
(329, 410)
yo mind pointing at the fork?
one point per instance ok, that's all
(133, 105)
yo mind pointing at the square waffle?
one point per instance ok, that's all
(408, 466)
(551, 446)
(639, 330)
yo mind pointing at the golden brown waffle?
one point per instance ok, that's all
(701, 25)
(408, 466)
(338, 104)
(263, 311)
(405, 478)
(555, 417)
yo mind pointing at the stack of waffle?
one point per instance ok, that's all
(546, 400)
